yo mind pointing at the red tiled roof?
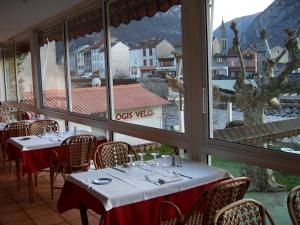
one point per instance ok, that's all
(93, 99)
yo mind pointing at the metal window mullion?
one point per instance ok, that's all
(109, 79)
(67, 67)
(36, 70)
(15, 67)
(4, 72)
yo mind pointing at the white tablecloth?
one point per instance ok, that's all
(43, 141)
(132, 187)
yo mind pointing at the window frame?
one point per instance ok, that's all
(196, 137)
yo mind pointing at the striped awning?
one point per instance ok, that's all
(120, 11)
(124, 11)
(259, 134)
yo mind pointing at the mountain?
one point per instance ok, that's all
(281, 14)
(242, 23)
(162, 26)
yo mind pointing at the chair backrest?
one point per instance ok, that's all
(16, 116)
(78, 149)
(16, 129)
(112, 153)
(40, 126)
(246, 211)
(215, 198)
(293, 202)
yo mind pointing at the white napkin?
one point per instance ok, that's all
(169, 179)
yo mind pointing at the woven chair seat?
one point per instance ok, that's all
(293, 202)
(243, 212)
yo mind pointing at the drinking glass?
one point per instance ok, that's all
(131, 163)
(154, 162)
(142, 162)
(165, 160)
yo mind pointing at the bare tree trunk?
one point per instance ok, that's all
(262, 179)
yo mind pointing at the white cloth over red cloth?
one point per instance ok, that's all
(132, 186)
(43, 141)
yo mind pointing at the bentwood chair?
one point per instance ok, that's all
(203, 210)
(73, 156)
(293, 202)
(112, 153)
(15, 129)
(243, 212)
(41, 126)
(13, 116)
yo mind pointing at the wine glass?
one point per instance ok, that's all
(154, 162)
(142, 162)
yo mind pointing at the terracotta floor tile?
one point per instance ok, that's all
(48, 219)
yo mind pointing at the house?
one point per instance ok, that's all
(149, 54)
(119, 56)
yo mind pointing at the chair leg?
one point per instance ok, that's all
(35, 179)
(52, 183)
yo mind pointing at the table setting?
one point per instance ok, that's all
(143, 180)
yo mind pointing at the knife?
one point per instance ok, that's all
(115, 168)
(182, 175)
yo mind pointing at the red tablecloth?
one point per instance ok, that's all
(33, 160)
(142, 213)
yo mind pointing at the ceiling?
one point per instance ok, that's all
(18, 15)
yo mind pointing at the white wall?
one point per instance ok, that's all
(53, 75)
(119, 59)
(152, 121)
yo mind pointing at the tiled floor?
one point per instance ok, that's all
(15, 208)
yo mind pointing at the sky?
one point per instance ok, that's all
(230, 9)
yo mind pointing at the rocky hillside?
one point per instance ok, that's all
(242, 23)
(281, 14)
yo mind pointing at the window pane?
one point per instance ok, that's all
(148, 147)
(2, 89)
(10, 78)
(144, 61)
(87, 64)
(274, 200)
(52, 67)
(24, 72)
(254, 86)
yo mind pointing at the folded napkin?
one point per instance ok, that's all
(169, 179)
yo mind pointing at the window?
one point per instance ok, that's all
(150, 51)
(2, 89)
(10, 75)
(260, 115)
(24, 72)
(87, 76)
(147, 100)
(52, 67)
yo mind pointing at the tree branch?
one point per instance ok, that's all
(236, 44)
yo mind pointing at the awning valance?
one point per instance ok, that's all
(120, 11)
(88, 23)
(22, 47)
(124, 11)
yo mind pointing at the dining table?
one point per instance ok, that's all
(132, 195)
(34, 152)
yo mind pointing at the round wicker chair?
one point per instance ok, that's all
(41, 126)
(246, 211)
(112, 153)
(293, 203)
(75, 156)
